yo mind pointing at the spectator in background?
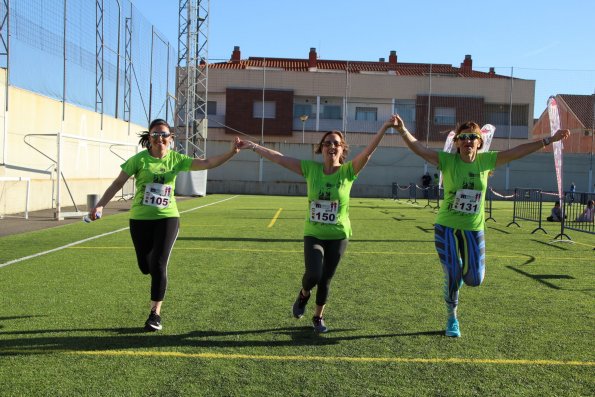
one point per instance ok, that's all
(588, 214)
(556, 215)
(426, 181)
(572, 190)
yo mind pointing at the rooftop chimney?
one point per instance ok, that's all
(467, 64)
(381, 60)
(492, 71)
(392, 58)
(235, 55)
(312, 58)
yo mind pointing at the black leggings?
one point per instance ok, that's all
(153, 241)
(321, 258)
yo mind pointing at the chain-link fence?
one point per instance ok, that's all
(99, 55)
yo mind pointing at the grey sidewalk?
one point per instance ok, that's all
(44, 219)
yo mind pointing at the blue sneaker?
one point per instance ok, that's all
(452, 328)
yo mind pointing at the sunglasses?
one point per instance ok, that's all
(156, 135)
(470, 137)
(331, 143)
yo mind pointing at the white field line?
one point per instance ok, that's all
(95, 237)
(58, 248)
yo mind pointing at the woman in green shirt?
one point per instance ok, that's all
(459, 225)
(327, 226)
(154, 217)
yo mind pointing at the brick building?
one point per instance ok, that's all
(293, 100)
(576, 114)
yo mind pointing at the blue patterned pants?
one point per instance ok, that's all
(462, 254)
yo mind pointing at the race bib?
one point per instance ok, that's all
(157, 195)
(467, 201)
(324, 211)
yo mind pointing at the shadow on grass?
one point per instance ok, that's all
(257, 240)
(372, 207)
(498, 230)
(426, 229)
(550, 245)
(541, 278)
(288, 240)
(132, 338)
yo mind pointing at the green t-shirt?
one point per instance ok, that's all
(328, 201)
(155, 183)
(465, 186)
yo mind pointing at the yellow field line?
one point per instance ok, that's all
(275, 217)
(407, 360)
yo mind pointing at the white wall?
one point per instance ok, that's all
(387, 165)
(30, 149)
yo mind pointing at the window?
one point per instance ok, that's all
(300, 109)
(331, 112)
(445, 116)
(406, 109)
(500, 114)
(366, 114)
(498, 118)
(211, 109)
(269, 110)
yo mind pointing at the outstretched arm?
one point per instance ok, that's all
(109, 194)
(212, 162)
(416, 146)
(362, 158)
(507, 156)
(290, 163)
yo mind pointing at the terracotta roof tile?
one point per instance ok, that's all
(581, 106)
(400, 69)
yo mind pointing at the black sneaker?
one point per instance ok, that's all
(299, 306)
(319, 325)
(153, 323)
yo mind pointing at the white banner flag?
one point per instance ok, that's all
(552, 111)
(487, 133)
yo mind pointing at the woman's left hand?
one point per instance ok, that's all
(236, 145)
(560, 135)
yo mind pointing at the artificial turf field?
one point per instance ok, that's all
(71, 319)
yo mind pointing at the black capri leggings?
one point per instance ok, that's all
(321, 258)
(153, 241)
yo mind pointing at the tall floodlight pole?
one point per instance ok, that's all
(264, 84)
(5, 62)
(190, 119)
(429, 118)
(507, 182)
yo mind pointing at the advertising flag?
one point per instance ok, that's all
(487, 133)
(552, 111)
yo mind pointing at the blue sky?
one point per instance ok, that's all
(552, 42)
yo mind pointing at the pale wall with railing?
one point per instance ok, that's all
(88, 167)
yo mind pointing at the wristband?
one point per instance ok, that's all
(546, 141)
